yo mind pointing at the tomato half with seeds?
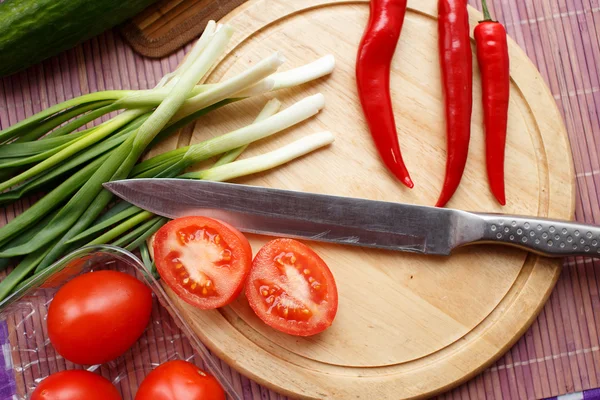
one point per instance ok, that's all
(203, 260)
(291, 288)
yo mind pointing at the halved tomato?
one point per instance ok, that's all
(203, 260)
(291, 288)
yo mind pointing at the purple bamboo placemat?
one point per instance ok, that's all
(560, 353)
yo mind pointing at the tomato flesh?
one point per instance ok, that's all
(203, 260)
(75, 385)
(96, 317)
(291, 288)
(177, 380)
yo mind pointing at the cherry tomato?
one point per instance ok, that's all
(178, 380)
(203, 260)
(75, 385)
(96, 317)
(291, 288)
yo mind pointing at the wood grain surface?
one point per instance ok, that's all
(408, 325)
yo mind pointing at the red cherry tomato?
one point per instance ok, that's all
(96, 317)
(203, 260)
(291, 288)
(75, 385)
(178, 380)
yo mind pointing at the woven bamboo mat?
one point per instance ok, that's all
(560, 353)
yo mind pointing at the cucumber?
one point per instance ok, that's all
(33, 30)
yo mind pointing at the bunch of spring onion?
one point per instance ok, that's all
(48, 151)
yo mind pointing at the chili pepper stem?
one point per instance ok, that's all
(486, 12)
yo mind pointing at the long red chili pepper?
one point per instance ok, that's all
(492, 55)
(457, 79)
(373, 63)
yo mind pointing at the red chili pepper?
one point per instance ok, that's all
(492, 54)
(457, 79)
(373, 63)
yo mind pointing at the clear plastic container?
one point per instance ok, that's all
(29, 357)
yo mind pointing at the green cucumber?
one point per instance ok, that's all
(33, 30)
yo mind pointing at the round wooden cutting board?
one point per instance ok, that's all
(408, 325)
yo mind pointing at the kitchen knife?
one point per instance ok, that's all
(353, 221)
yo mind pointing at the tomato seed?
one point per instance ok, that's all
(226, 255)
(285, 259)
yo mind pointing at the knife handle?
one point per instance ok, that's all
(552, 238)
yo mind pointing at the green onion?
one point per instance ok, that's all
(23, 126)
(141, 216)
(297, 76)
(60, 118)
(292, 115)
(49, 203)
(268, 110)
(78, 123)
(265, 161)
(147, 260)
(158, 222)
(48, 150)
(18, 149)
(92, 137)
(51, 175)
(127, 239)
(194, 53)
(231, 86)
(122, 159)
(118, 166)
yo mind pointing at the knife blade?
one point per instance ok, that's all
(354, 221)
